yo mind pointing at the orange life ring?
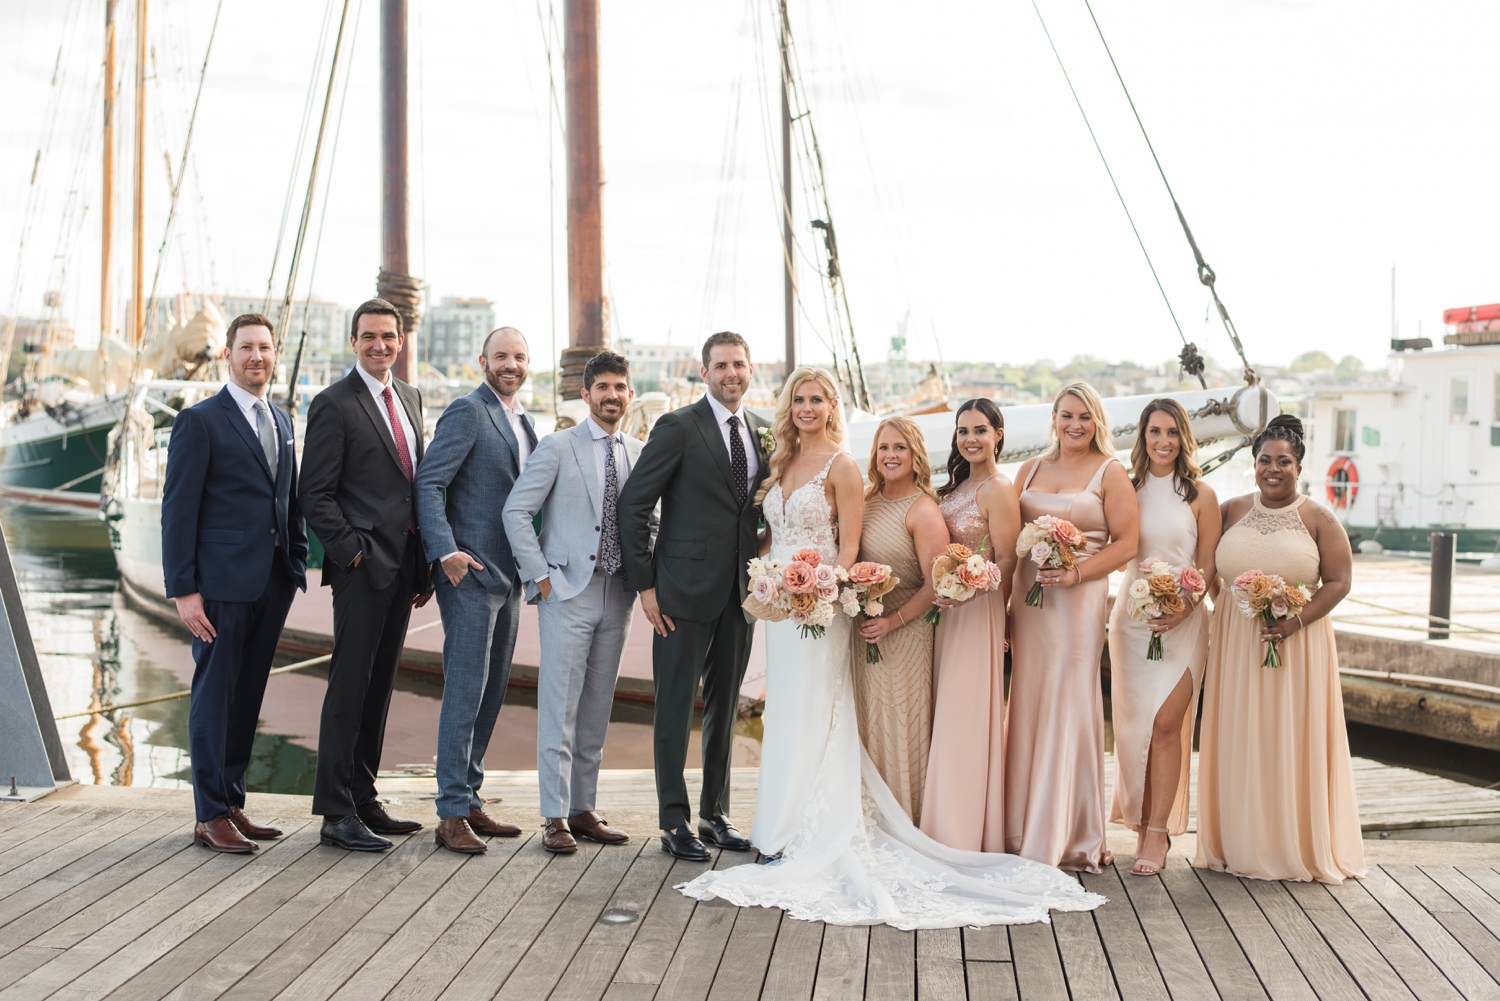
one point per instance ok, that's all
(1342, 482)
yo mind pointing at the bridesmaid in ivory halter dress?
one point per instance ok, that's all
(1275, 784)
(1054, 747)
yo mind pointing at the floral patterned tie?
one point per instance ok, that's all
(609, 546)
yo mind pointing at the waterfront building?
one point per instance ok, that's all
(652, 364)
(453, 333)
(326, 324)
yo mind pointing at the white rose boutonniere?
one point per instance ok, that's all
(767, 440)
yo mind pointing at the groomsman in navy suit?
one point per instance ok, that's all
(234, 549)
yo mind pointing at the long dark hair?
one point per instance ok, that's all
(1187, 469)
(1283, 427)
(958, 466)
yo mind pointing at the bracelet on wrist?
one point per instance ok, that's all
(900, 616)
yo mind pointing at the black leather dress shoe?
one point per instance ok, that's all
(374, 817)
(721, 832)
(681, 844)
(352, 834)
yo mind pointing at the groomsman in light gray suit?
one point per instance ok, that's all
(574, 576)
(480, 446)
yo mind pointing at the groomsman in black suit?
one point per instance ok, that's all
(363, 445)
(233, 551)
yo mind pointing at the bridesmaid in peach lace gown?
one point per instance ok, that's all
(1275, 784)
(965, 799)
(1054, 749)
(904, 530)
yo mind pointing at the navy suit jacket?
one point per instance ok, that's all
(463, 483)
(223, 519)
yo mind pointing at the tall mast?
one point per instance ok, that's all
(395, 284)
(788, 247)
(138, 228)
(587, 334)
(107, 202)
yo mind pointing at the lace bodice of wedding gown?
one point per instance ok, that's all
(803, 520)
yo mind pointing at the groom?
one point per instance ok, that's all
(704, 464)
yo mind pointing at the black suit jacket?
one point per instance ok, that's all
(706, 536)
(224, 520)
(354, 492)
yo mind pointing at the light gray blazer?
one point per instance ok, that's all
(561, 482)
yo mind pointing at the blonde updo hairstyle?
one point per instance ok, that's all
(1103, 442)
(788, 442)
(916, 441)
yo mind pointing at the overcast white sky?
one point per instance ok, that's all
(1312, 145)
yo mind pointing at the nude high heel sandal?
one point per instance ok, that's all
(1145, 867)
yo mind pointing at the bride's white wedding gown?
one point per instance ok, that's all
(849, 854)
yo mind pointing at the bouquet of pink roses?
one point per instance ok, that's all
(1050, 542)
(802, 589)
(959, 574)
(1268, 597)
(860, 597)
(1163, 590)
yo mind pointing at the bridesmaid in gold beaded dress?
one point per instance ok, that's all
(1054, 751)
(1275, 783)
(965, 799)
(904, 530)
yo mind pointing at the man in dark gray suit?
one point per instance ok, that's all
(480, 446)
(704, 464)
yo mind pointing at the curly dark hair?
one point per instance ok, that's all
(1283, 427)
(604, 363)
(958, 466)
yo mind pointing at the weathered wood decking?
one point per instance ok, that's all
(116, 903)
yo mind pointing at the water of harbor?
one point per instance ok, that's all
(97, 649)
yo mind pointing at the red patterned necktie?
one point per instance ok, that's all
(401, 450)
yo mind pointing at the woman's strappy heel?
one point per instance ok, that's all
(1145, 867)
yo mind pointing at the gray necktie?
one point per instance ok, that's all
(610, 559)
(267, 432)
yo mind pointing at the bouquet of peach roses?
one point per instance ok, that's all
(867, 584)
(1050, 542)
(1268, 597)
(802, 589)
(1163, 590)
(960, 573)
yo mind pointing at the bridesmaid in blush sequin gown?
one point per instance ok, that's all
(1054, 750)
(964, 803)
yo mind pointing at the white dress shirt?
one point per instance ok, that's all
(517, 418)
(246, 401)
(377, 389)
(722, 415)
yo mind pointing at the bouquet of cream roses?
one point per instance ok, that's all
(867, 584)
(960, 573)
(1268, 597)
(802, 589)
(1163, 590)
(1050, 542)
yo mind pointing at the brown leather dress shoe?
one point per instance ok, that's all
(557, 838)
(589, 824)
(221, 835)
(250, 828)
(454, 834)
(484, 824)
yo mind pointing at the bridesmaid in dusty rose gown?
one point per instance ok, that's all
(965, 799)
(1275, 783)
(1054, 749)
(904, 530)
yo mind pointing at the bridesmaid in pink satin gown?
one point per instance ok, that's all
(1054, 749)
(964, 801)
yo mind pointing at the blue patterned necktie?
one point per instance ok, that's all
(609, 546)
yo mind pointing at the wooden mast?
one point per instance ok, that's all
(395, 283)
(138, 228)
(107, 201)
(788, 245)
(587, 323)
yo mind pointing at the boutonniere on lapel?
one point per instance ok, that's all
(767, 440)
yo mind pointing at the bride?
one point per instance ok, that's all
(842, 850)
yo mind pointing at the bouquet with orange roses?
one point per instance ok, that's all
(1163, 590)
(959, 574)
(1268, 597)
(1050, 542)
(802, 589)
(867, 584)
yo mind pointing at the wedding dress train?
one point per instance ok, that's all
(849, 855)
